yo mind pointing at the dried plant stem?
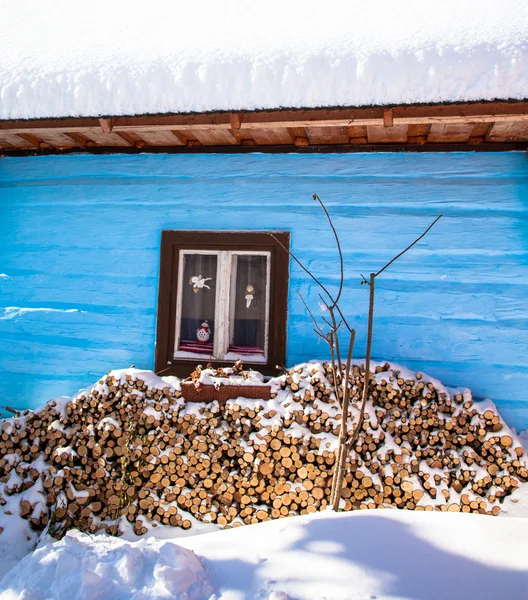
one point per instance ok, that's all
(336, 342)
(337, 480)
(366, 378)
(408, 247)
(341, 384)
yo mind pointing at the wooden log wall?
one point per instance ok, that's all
(79, 258)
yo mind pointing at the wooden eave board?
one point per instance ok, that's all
(328, 135)
(271, 137)
(377, 134)
(443, 133)
(507, 132)
(161, 138)
(500, 122)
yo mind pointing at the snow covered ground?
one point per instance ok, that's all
(62, 59)
(364, 555)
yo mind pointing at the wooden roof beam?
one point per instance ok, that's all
(451, 114)
(340, 116)
(106, 125)
(81, 139)
(133, 140)
(161, 126)
(180, 138)
(236, 122)
(301, 142)
(34, 141)
(388, 117)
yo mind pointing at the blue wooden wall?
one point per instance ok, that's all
(80, 237)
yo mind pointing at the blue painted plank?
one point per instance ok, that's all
(82, 233)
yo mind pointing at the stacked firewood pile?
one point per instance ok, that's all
(130, 449)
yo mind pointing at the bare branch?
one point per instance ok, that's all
(342, 275)
(307, 271)
(337, 480)
(321, 335)
(336, 307)
(327, 322)
(328, 308)
(336, 341)
(163, 371)
(408, 247)
(317, 329)
(364, 397)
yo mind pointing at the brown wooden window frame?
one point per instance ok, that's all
(174, 241)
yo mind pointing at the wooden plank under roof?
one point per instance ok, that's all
(459, 125)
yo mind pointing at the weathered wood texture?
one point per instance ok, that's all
(83, 233)
(471, 123)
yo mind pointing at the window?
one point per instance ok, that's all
(222, 297)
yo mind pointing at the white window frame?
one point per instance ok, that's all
(224, 305)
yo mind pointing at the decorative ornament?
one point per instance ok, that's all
(198, 282)
(203, 333)
(250, 294)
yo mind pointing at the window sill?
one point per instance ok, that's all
(182, 368)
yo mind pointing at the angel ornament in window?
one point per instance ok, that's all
(250, 295)
(198, 282)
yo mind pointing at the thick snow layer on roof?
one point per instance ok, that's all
(62, 58)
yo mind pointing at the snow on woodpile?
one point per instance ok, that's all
(130, 453)
(125, 58)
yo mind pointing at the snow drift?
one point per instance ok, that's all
(80, 566)
(382, 554)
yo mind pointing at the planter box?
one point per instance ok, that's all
(208, 393)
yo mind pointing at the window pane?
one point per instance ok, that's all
(198, 303)
(248, 309)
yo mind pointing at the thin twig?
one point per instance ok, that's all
(303, 267)
(310, 274)
(333, 362)
(327, 322)
(342, 269)
(343, 320)
(336, 341)
(319, 330)
(364, 281)
(321, 335)
(408, 247)
(163, 371)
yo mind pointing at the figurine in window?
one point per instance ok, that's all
(250, 294)
(203, 333)
(198, 283)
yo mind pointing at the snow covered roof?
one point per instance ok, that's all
(65, 59)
